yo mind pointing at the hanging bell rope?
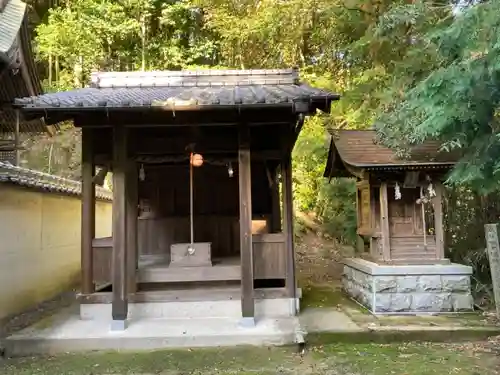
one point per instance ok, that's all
(422, 202)
(195, 160)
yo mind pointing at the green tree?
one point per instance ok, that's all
(454, 97)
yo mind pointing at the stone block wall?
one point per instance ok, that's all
(408, 289)
(358, 285)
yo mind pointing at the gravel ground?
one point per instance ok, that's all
(15, 323)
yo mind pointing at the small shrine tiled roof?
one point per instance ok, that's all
(359, 149)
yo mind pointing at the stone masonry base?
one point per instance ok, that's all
(385, 289)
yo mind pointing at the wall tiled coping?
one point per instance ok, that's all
(375, 269)
(46, 182)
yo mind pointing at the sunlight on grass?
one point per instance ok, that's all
(337, 359)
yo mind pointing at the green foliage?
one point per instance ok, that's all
(466, 213)
(91, 35)
(331, 203)
(414, 69)
(59, 154)
(337, 210)
(83, 35)
(309, 159)
(454, 97)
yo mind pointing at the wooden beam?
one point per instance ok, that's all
(185, 295)
(268, 238)
(102, 159)
(374, 251)
(231, 117)
(119, 277)
(286, 173)
(384, 222)
(132, 215)
(246, 247)
(88, 213)
(229, 154)
(438, 221)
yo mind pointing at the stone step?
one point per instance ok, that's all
(75, 335)
(269, 307)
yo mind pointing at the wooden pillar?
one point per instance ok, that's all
(120, 166)
(438, 221)
(286, 174)
(275, 201)
(246, 247)
(375, 224)
(17, 141)
(132, 216)
(384, 222)
(88, 212)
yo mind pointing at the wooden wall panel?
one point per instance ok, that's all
(156, 235)
(269, 256)
(269, 253)
(102, 261)
(166, 190)
(405, 216)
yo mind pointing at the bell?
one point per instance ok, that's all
(196, 160)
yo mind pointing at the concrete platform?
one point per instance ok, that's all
(327, 320)
(269, 308)
(66, 332)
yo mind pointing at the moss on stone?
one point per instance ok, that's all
(327, 295)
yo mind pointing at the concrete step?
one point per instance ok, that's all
(75, 335)
(231, 308)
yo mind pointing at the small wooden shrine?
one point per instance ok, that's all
(399, 201)
(197, 159)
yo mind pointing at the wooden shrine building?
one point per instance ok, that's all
(401, 265)
(18, 78)
(399, 201)
(196, 158)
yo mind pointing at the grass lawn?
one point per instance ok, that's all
(341, 359)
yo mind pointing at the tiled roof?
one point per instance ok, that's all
(358, 148)
(11, 18)
(186, 89)
(43, 181)
(18, 75)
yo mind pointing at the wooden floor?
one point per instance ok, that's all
(157, 270)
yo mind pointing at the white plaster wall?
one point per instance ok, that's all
(40, 245)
